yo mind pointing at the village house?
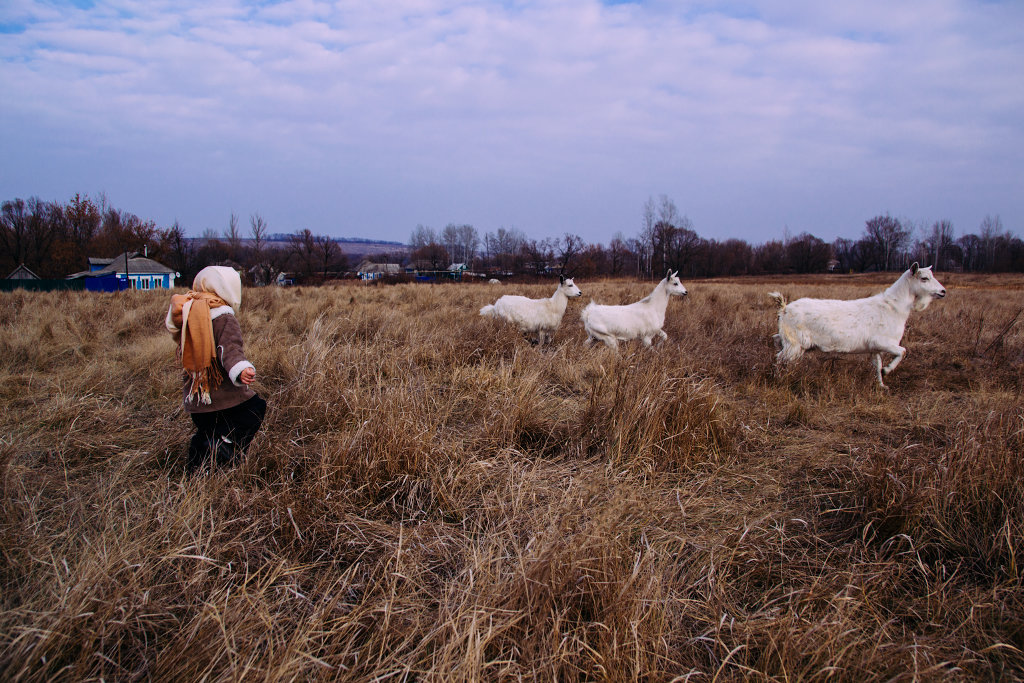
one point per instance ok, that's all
(128, 270)
(24, 277)
(375, 271)
(22, 272)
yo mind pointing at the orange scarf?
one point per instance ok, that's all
(197, 351)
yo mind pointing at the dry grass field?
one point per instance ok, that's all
(433, 498)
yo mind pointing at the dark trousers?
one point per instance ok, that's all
(223, 435)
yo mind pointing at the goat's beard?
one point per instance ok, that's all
(922, 302)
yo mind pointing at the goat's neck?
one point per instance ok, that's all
(559, 300)
(659, 297)
(898, 296)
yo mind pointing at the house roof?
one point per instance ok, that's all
(22, 272)
(390, 268)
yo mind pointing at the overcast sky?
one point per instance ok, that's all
(364, 119)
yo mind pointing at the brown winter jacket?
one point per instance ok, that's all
(231, 359)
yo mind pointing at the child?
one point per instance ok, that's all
(226, 412)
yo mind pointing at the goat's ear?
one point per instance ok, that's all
(914, 268)
(561, 279)
(668, 273)
(675, 274)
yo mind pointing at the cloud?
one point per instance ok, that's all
(638, 98)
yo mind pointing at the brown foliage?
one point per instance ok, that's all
(433, 498)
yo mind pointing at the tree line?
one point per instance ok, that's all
(668, 239)
(55, 239)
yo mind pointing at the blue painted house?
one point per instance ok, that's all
(127, 271)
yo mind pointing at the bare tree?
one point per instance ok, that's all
(422, 236)
(258, 230)
(537, 254)
(938, 242)
(177, 249)
(13, 233)
(233, 237)
(504, 247)
(806, 253)
(43, 235)
(265, 267)
(685, 247)
(122, 232)
(845, 251)
(567, 249)
(83, 218)
(668, 213)
(618, 252)
(469, 242)
(302, 245)
(434, 253)
(638, 247)
(972, 252)
(769, 257)
(990, 230)
(329, 252)
(450, 240)
(662, 240)
(887, 237)
(660, 231)
(511, 240)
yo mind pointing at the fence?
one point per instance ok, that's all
(42, 285)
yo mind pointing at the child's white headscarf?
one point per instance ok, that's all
(222, 281)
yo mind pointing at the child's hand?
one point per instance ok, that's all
(247, 376)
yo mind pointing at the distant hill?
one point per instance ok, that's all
(349, 245)
(371, 247)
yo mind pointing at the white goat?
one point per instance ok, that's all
(640, 320)
(542, 316)
(871, 325)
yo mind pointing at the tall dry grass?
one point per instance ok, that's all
(434, 498)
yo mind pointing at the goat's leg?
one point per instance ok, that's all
(789, 353)
(876, 360)
(898, 352)
(610, 341)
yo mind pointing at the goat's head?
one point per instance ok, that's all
(923, 286)
(673, 285)
(568, 287)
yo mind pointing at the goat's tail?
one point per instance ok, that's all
(487, 310)
(790, 342)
